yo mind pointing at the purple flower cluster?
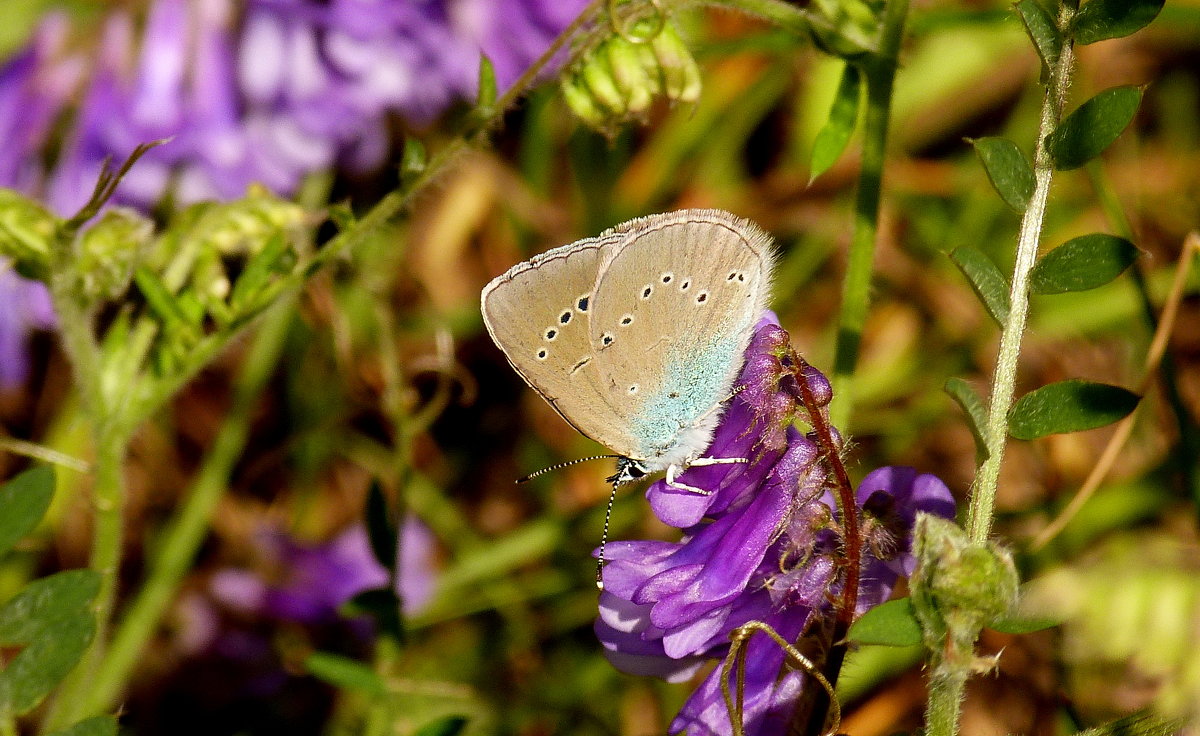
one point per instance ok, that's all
(287, 88)
(291, 87)
(764, 546)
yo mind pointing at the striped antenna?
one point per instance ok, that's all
(567, 464)
(612, 497)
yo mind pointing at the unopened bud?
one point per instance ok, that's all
(26, 230)
(110, 250)
(959, 586)
(617, 81)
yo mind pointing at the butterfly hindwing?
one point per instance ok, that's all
(537, 312)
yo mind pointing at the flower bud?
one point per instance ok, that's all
(110, 250)
(617, 81)
(26, 231)
(959, 586)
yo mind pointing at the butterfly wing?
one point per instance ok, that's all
(676, 301)
(537, 313)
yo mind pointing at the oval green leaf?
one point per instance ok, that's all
(1008, 170)
(1092, 127)
(94, 726)
(892, 624)
(51, 622)
(448, 726)
(1069, 406)
(972, 406)
(1019, 625)
(833, 137)
(1098, 20)
(23, 503)
(1041, 29)
(1082, 263)
(345, 673)
(987, 281)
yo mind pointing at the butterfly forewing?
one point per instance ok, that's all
(538, 313)
(674, 306)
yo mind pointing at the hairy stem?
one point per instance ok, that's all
(949, 676)
(983, 495)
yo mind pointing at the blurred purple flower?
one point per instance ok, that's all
(314, 581)
(762, 546)
(35, 86)
(298, 86)
(24, 307)
(288, 88)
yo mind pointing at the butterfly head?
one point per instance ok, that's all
(628, 470)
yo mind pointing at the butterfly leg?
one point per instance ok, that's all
(673, 472)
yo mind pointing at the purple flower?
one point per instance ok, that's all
(297, 87)
(34, 89)
(761, 546)
(24, 307)
(313, 581)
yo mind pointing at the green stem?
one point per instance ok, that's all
(983, 495)
(947, 686)
(949, 676)
(879, 71)
(107, 538)
(186, 533)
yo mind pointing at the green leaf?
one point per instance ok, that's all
(413, 160)
(487, 87)
(1092, 127)
(1082, 263)
(448, 726)
(383, 605)
(1021, 625)
(892, 624)
(1140, 723)
(833, 137)
(1069, 406)
(987, 281)
(1008, 169)
(380, 530)
(51, 620)
(258, 271)
(162, 302)
(972, 406)
(1042, 30)
(345, 673)
(94, 726)
(23, 503)
(1098, 20)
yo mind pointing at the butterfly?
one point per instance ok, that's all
(636, 336)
